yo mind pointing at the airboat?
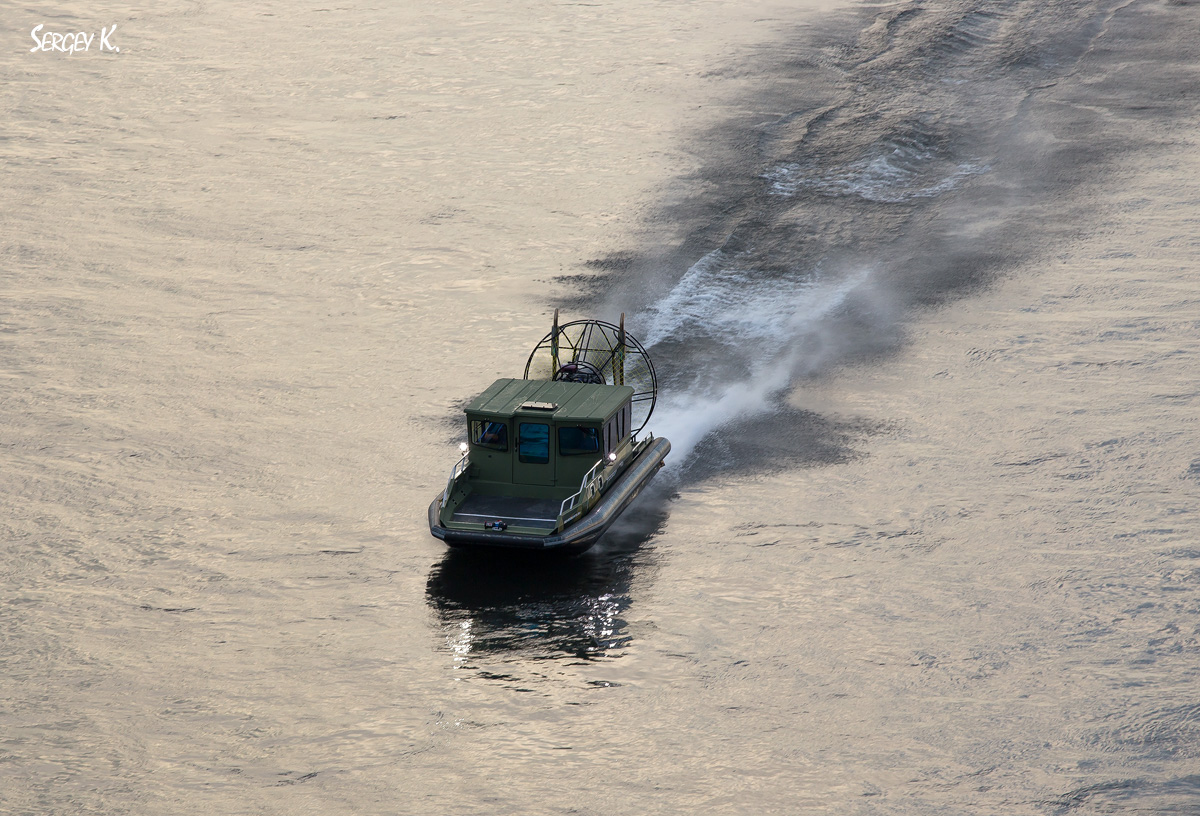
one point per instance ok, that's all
(552, 459)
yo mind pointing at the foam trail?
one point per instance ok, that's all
(779, 338)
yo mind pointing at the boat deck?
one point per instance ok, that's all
(514, 511)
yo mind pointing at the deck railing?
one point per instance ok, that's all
(459, 470)
(592, 484)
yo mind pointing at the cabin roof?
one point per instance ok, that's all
(573, 402)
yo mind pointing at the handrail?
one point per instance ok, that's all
(593, 484)
(590, 480)
(458, 470)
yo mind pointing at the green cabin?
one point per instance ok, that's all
(536, 440)
(541, 433)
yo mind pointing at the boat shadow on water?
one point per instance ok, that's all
(545, 605)
(781, 438)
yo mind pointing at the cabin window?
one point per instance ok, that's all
(492, 435)
(533, 442)
(578, 441)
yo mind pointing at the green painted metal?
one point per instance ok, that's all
(576, 402)
(530, 463)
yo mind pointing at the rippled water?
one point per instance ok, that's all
(917, 281)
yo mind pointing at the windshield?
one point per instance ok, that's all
(492, 435)
(578, 440)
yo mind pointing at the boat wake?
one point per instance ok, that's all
(913, 155)
(774, 339)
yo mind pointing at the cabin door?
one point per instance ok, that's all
(534, 462)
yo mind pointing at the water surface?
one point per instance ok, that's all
(917, 280)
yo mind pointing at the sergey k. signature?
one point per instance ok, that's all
(71, 42)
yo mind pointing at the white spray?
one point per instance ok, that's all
(773, 337)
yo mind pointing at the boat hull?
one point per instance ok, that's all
(577, 536)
